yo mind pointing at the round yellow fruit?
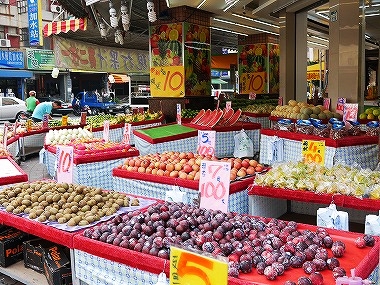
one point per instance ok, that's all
(363, 116)
(370, 117)
(369, 110)
(292, 103)
(376, 112)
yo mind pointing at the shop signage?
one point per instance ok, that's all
(65, 161)
(190, 267)
(340, 105)
(253, 82)
(313, 151)
(79, 55)
(11, 59)
(167, 81)
(206, 142)
(214, 184)
(312, 75)
(127, 133)
(40, 59)
(215, 73)
(35, 22)
(350, 112)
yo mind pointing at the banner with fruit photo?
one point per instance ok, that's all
(166, 45)
(274, 68)
(197, 60)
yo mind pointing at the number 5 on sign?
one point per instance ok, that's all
(188, 268)
(65, 160)
(313, 151)
(214, 184)
(206, 143)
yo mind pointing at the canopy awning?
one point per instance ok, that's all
(218, 81)
(120, 78)
(54, 28)
(223, 61)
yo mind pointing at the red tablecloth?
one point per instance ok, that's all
(311, 197)
(22, 177)
(363, 260)
(346, 141)
(256, 115)
(99, 156)
(235, 186)
(121, 125)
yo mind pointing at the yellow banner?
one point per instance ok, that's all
(252, 82)
(312, 75)
(313, 151)
(167, 81)
(191, 268)
(71, 54)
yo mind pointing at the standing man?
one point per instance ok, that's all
(44, 108)
(31, 102)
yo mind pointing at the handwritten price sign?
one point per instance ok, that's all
(167, 81)
(106, 130)
(192, 268)
(127, 133)
(253, 82)
(179, 111)
(214, 184)
(206, 143)
(313, 151)
(5, 135)
(65, 160)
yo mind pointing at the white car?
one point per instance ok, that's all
(11, 108)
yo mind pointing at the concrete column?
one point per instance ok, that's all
(346, 52)
(301, 57)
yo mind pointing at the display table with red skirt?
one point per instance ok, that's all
(362, 150)
(178, 138)
(117, 131)
(11, 172)
(100, 263)
(91, 170)
(262, 119)
(274, 202)
(156, 186)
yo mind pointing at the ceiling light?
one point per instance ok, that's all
(256, 21)
(168, 3)
(125, 19)
(373, 14)
(200, 4)
(322, 15)
(151, 13)
(230, 4)
(229, 31)
(245, 26)
(316, 44)
(113, 19)
(319, 38)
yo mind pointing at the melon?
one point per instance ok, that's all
(316, 110)
(322, 116)
(292, 103)
(307, 111)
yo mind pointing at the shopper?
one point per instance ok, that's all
(43, 109)
(31, 102)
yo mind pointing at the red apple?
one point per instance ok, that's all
(242, 172)
(187, 168)
(250, 170)
(245, 163)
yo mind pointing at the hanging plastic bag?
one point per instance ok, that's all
(175, 195)
(330, 217)
(372, 225)
(243, 145)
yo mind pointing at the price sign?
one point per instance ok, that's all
(340, 105)
(192, 268)
(313, 151)
(83, 118)
(228, 105)
(280, 100)
(252, 96)
(327, 103)
(106, 130)
(214, 184)
(206, 143)
(167, 81)
(350, 112)
(65, 160)
(5, 135)
(127, 133)
(253, 82)
(179, 122)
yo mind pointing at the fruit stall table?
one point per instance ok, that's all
(12, 146)
(259, 118)
(97, 262)
(274, 202)
(11, 172)
(93, 169)
(362, 149)
(185, 138)
(116, 131)
(156, 186)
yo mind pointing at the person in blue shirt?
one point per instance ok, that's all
(43, 109)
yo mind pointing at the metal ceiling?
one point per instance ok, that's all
(239, 18)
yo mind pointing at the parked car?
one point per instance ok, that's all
(11, 108)
(65, 109)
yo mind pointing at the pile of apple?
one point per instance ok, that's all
(186, 165)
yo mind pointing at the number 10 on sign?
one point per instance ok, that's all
(214, 184)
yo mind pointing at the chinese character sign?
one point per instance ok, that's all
(350, 112)
(340, 105)
(179, 110)
(65, 160)
(206, 143)
(11, 59)
(35, 22)
(313, 151)
(40, 59)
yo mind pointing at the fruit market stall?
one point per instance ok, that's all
(11, 172)
(307, 249)
(302, 188)
(360, 149)
(93, 158)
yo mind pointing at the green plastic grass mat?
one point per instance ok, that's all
(166, 131)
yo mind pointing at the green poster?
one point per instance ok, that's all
(40, 59)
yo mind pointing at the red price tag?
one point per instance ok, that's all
(5, 136)
(206, 143)
(192, 268)
(214, 184)
(179, 111)
(127, 133)
(106, 131)
(65, 160)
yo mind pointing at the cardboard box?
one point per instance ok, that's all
(57, 266)
(11, 246)
(33, 253)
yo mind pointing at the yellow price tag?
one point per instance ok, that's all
(313, 151)
(167, 81)
(190, 268)
(253, 82)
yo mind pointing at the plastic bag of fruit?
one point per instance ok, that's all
(243, 145)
